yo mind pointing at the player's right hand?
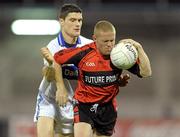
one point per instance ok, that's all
(61, 97)
(47, 55)
(124, 80)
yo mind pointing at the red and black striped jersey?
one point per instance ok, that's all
(98, 78)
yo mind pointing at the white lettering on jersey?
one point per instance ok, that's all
(98, 79)
(90, 64)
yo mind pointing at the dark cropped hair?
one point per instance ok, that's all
(68, 8)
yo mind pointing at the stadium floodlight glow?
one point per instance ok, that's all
(35, 27)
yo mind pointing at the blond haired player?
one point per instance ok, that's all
(98, 80)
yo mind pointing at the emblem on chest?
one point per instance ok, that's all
(90, 64)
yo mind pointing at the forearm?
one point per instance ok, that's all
(144, 63)
(58, 76)
(59, 80)
(61, 93)
(48, 70)
(49, 73)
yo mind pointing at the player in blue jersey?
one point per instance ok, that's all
(50, 115)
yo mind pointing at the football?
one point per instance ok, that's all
(124, 55)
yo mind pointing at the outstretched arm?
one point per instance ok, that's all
(61, 93)
(144, 63)
(48, 71)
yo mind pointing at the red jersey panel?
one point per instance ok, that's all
(98, 78)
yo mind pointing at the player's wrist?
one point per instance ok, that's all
(50, 64)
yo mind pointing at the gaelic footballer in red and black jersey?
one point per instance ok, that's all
(98, 78)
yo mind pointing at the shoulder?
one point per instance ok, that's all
(54, 46)
(90, 46)
(52, 43)
(85, 40)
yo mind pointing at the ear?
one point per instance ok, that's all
(61, 21)
(94, 37)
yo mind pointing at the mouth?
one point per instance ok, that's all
(77, 30)
(109, 49)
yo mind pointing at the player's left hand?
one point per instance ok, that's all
(124, 80)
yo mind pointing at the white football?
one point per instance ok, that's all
(124, 55)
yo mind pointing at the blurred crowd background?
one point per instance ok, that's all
(147, 103)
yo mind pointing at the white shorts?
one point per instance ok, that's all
(63, 116)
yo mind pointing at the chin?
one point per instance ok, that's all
(76, 34)
(108, 53)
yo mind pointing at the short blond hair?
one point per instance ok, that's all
(103, 26)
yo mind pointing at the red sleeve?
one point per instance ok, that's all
(71, 55)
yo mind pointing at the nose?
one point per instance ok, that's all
(110, 44)
(78, 23)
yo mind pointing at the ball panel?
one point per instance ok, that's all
(124, 55)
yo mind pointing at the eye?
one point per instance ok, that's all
(106, 41)
(72, 20)
(79, 20)
(112, 40)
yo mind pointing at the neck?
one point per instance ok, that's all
(69, 39)
(106, 57)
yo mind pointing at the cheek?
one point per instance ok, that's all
(81, 24)
(68, 24)
(67, 29)
(114, 43)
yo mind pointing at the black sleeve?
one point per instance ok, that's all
(135, 70)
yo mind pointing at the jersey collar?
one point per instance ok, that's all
(62, 42)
